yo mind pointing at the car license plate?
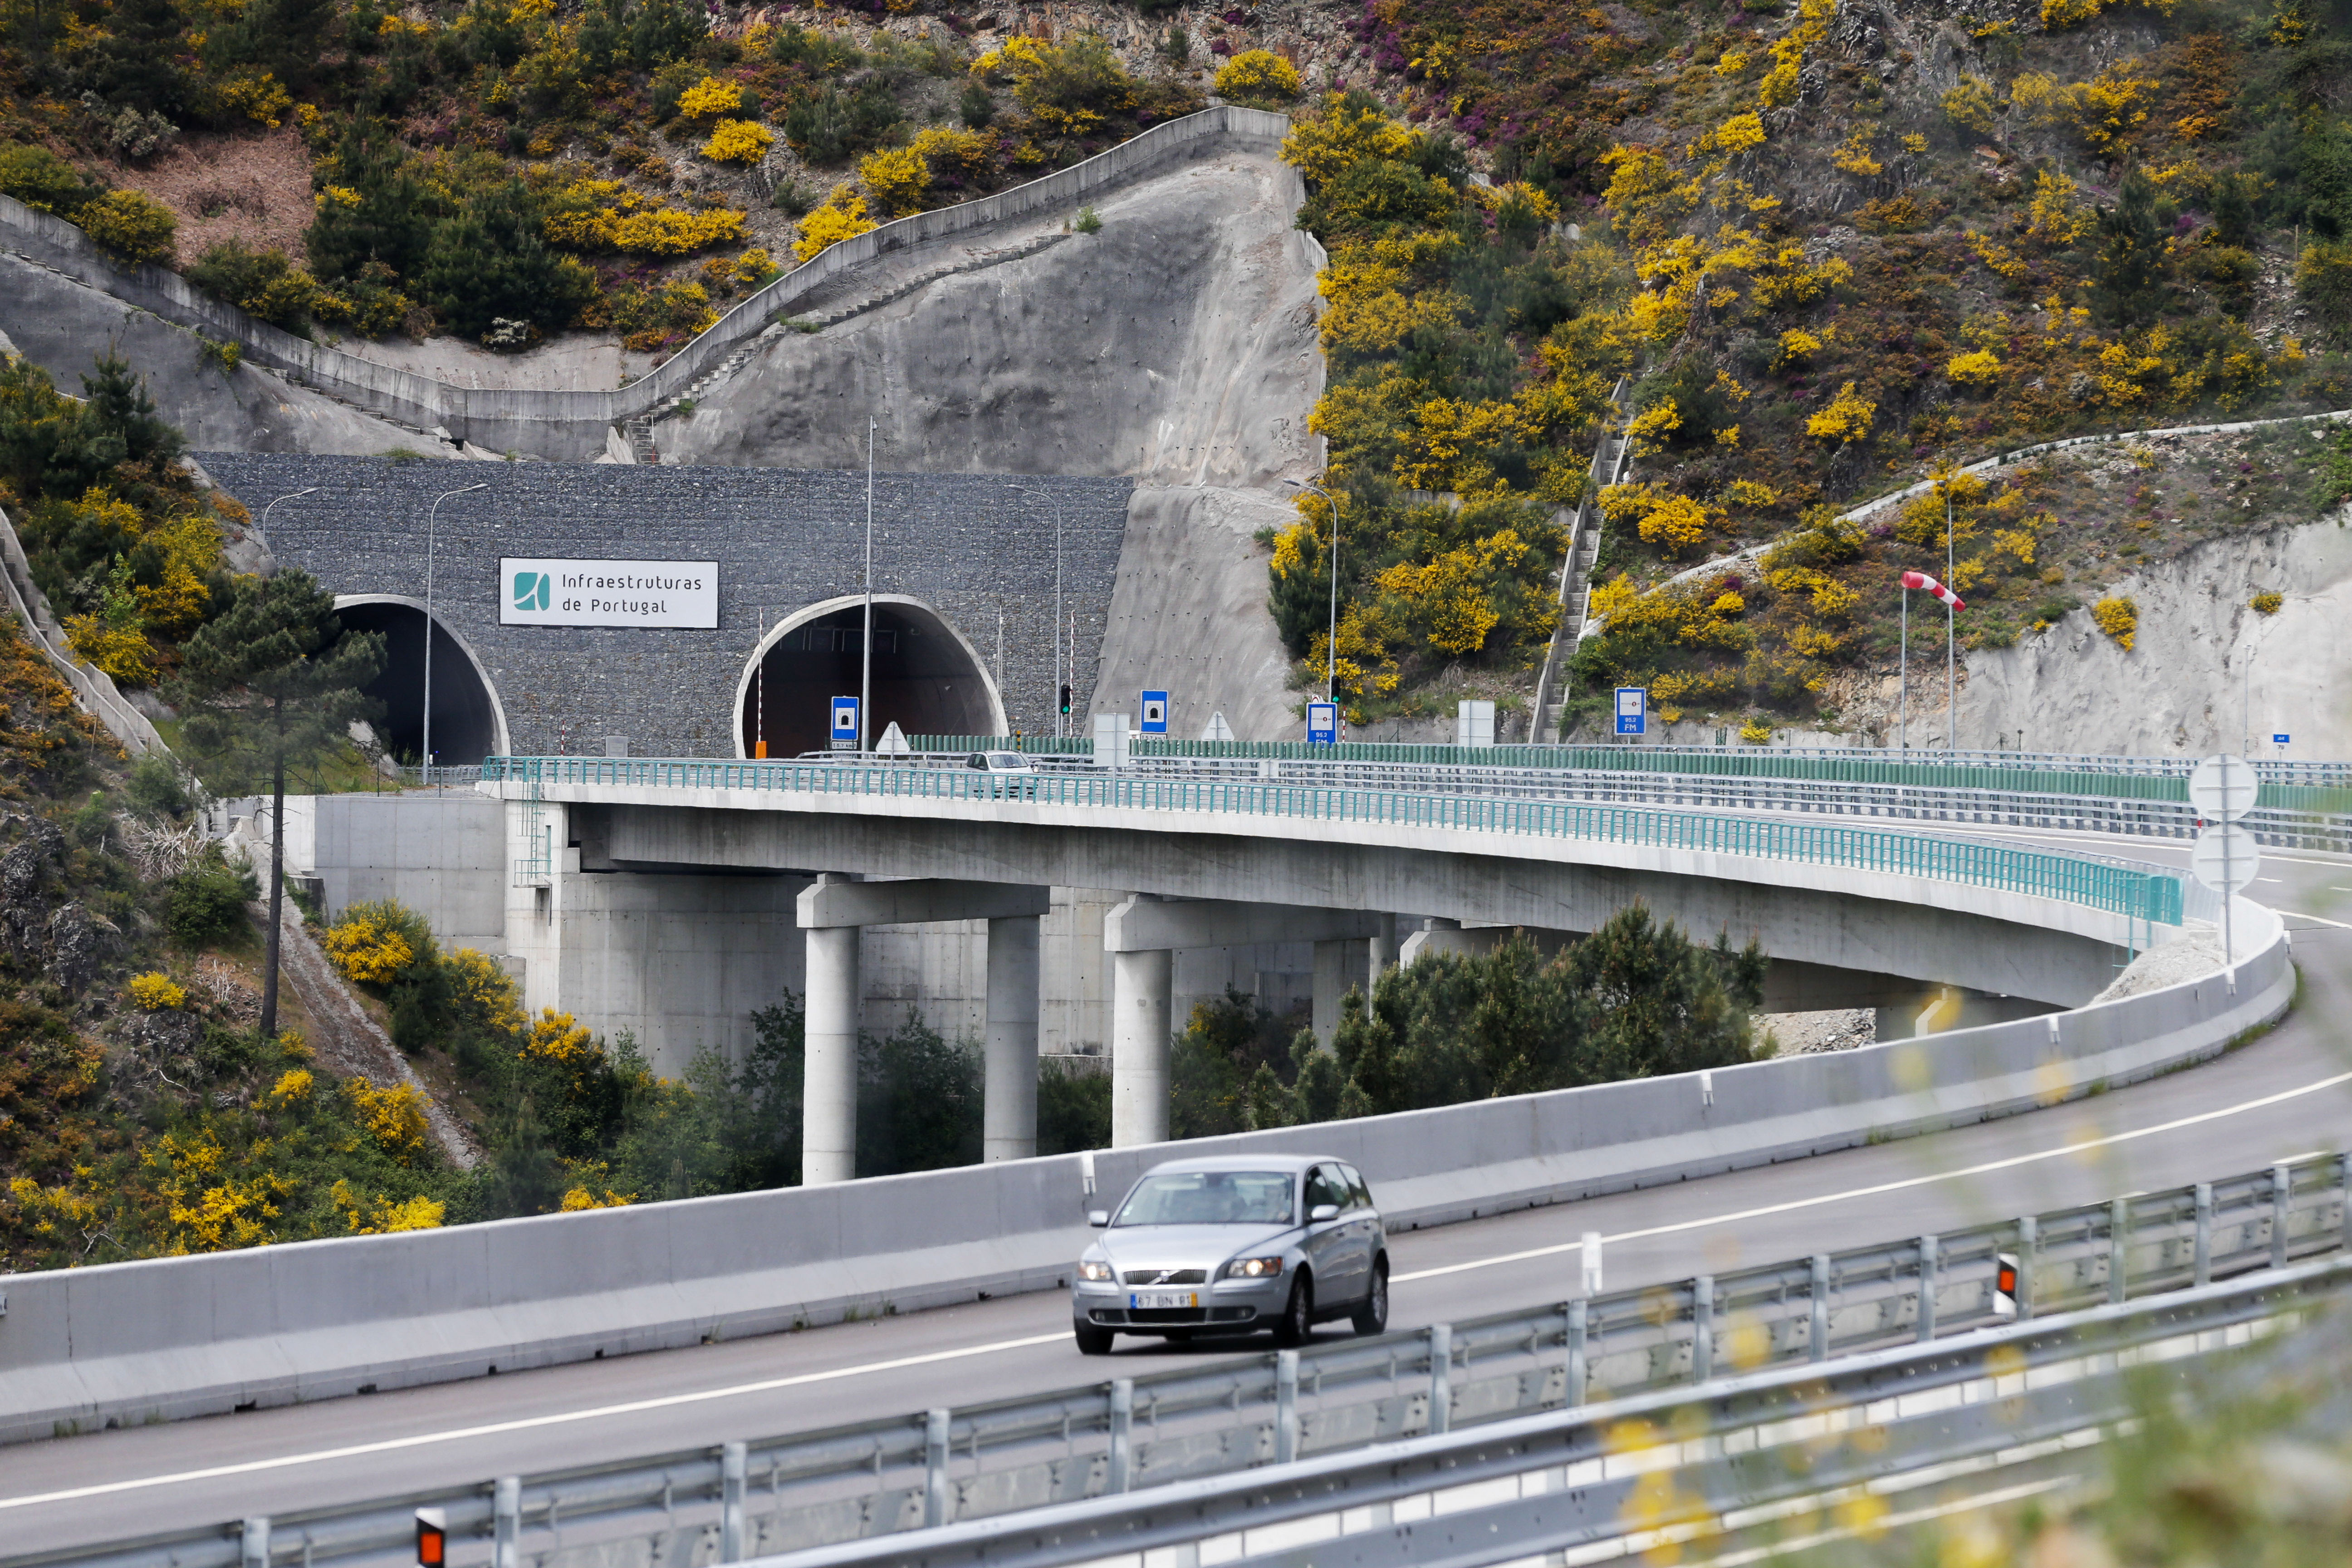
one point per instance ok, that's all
(1145, 1300)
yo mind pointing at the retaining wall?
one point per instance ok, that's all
(565, 423)
(186, 1336)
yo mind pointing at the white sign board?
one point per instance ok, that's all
(609, 593)
(2223, 788)
(2226, 857)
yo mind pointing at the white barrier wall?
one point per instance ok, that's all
(185, 1336)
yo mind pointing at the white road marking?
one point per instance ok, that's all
(492, 1429)
(667, 1401)
(2321, 919)
(1818, 1200)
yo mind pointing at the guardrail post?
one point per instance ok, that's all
(1122, 1434)
(2029, 1243)
(2282, 1202)
(1285, 1407)
(2344, 1181)
(1580, 1326)
(2204, 1233)
(734, 1470)
(1441, 1378)
(1821, 1306)
(1927, 1288)
(2119, 1250)
(1703, 1328)
(935, 1467)
(253, 1543)
(506, 1522)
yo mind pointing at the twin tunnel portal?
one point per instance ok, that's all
(927, 679)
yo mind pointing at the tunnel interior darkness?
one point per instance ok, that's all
(924, 680)
(465, 719)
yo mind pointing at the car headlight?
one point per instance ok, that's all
(1090, 1270)
(1253, 1267)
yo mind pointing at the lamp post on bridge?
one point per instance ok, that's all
(1331, 641)
(432, 531)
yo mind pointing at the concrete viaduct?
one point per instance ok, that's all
(1850, 917)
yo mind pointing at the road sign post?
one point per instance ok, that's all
(844, 723)
(1155, 713)
(2223, 789)
(1632, 710)
(1322, 723)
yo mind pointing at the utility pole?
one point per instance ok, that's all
(1904, 664)
(1332, 639)
(866, 670)
(1951, 680)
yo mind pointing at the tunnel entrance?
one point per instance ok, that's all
(927, 680)
(465, 726)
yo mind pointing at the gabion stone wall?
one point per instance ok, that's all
(971, 546)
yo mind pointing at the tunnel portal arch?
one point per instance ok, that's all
(927, 678)
(469, 723)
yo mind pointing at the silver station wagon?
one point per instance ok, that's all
(1233, 1244)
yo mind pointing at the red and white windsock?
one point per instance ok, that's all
(1921, 580)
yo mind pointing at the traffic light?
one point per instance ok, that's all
(1065, 699)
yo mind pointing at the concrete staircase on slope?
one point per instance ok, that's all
(1609, 465)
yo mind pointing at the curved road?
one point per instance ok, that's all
(2285, 1093)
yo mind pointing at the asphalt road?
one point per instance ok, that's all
(2283, 1094)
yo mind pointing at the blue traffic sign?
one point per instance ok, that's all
(1322, 723)
(844, 723)
(1155, 713)
(1632, 710)
(2278, 739)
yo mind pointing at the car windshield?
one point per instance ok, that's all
(1209, 1197)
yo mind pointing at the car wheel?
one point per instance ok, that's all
(1298, 1320)
(1091, 1340)
(1373, 1315)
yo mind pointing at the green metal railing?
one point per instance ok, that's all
(2320, 788)
(2140, 895)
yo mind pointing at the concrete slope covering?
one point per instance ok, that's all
(2206, 671)
(64, 326)
(1176, 346)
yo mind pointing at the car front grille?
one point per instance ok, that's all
(1167, 1277)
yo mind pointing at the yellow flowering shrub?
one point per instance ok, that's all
(156, 993)
(115, 636)
(131, 226)
(1258, 78)
(485, 995)
(2266, 603)
(1740, 133)
(368, 949)
(955, 153)
(258, 96)
(2056, 218)
(605, 215)
(2118, 617)
(381, 1216)
(1845, 420)
(1797, 347)
(580, 1197)
(1325, 140)
(394, 1117)
(1675, 524)
(558, 1037)
(1444, 437)
(709, 98)
(1978, 367)
(898, 177)
(292, 1088)
(1651, 427)
(1971, 106)
(1747, 492)
(1853, 156)
(843, 217)
(738, 142)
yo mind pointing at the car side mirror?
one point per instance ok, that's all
(1098, 1217)
(1322, 1212)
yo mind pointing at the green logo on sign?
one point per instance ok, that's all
(531, 590)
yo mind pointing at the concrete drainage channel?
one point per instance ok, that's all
(1176, 1429)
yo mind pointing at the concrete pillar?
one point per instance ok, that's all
(1141, 984)
(829, 1078)
(1385, 951)
(1009, 1100)
(1337, 966)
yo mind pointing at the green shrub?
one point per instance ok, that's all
(205, 905)
(1073, 1111)
(44, 181)
(261, 283)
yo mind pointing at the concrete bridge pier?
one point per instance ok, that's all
(830, 912)
(1143, 935)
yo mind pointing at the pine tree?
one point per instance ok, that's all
(272, 685)
(2127, 279)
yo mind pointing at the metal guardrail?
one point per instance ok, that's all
(1738, 1462)
(938, 1467)
(2140, 894)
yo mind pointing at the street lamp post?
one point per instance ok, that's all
(1331, 642)
(866, 666)
(432, 530)
(1055, 695)
(290, 495)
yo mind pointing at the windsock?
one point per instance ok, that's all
(1921, 580)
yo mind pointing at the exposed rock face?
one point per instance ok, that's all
(24, 870)
(1177, 346)
(79, 944)
(2205, 671)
